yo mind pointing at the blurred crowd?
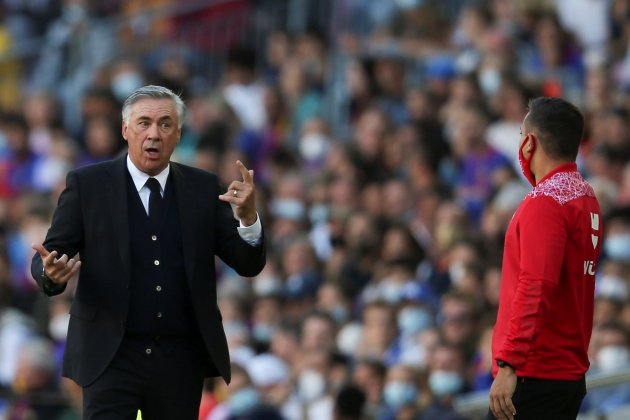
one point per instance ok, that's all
(384, 139)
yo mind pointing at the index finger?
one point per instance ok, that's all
(43, 252)
(245, 173)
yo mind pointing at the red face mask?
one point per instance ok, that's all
(525, 163)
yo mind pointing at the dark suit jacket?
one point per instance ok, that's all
(92, 219)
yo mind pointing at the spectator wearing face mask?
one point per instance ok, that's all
(610, 351)
(243, 401)
(617, 242)
(413, 318)
(313, 385)
(446, 379)
(333, 300)
(271, 378)
(611, 292)
(401, 395)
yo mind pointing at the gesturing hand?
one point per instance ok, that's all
(58, 270)
(242, 194)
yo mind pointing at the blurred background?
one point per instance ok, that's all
(384, 138)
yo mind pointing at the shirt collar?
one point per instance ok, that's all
(139, 178)
(565, 167)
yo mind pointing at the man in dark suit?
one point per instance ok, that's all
(145, 328)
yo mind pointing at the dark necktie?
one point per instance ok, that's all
(155, 200)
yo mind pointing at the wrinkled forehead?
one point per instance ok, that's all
(153, 107)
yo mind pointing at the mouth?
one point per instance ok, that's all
(152, 152)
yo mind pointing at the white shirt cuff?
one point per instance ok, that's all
(251, 234)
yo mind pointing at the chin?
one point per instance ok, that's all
(152, 168)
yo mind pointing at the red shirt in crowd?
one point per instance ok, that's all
(546, 304)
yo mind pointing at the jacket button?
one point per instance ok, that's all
(148, 350)
(158, 288)
(156, 262)
(153, 237)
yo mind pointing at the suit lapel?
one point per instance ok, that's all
(117, 199)
(187, 218)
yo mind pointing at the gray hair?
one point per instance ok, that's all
(153, 92)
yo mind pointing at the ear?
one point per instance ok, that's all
(123, 130)
(530, 145)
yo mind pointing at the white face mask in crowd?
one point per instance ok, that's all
(409, 4)
(314, 146)
(443, 383)
(457, 271)
(243, 401)
(490, 81)
(311, 386)
(399, 394)
(123, 84)
(612, 287)
(617, 247)
(263, 332)
(413, 320)
(287, 208)
(265, 285)
(339, 313)
(391, 290)
(612, 358)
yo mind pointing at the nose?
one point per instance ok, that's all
(152, 132)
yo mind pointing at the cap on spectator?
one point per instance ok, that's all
(267, 369)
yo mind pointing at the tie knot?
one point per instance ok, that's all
(153, 185)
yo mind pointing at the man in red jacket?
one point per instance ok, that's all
(552, 245)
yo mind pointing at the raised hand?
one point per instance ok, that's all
(242, 195)
(58, 270)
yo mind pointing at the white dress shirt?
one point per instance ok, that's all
(250, 234)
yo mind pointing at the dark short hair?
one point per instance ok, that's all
(559, 125)
(349, 402)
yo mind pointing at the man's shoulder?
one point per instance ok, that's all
(100, 168)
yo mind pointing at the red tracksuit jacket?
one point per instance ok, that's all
(546, 304)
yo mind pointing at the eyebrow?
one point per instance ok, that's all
(146, 118)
